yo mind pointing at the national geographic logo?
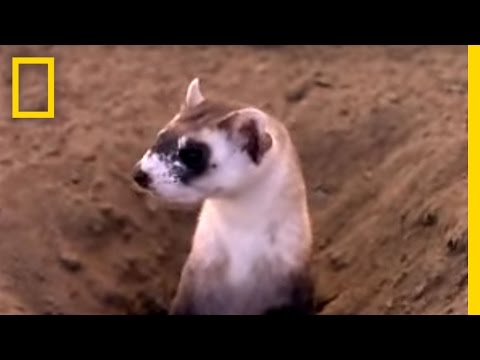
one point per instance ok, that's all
(25, 114)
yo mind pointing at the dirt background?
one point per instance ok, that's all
(382, 136)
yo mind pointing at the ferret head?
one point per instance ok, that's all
(209, 149)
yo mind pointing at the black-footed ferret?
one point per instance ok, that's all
(251, 247)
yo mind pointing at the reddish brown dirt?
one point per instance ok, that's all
(382, 137)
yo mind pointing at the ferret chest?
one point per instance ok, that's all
(243, 250)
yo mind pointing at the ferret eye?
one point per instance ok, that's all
(194, 156)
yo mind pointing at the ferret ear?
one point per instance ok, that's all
(194, 95)
(247, 128)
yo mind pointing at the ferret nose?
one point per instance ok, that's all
(141, 178)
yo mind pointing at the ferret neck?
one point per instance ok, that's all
(281, 190)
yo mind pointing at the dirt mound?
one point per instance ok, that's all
(382, 136)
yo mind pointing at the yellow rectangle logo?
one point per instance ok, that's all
(16, 62)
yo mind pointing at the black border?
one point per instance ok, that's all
(213, 334)
(243, 23)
